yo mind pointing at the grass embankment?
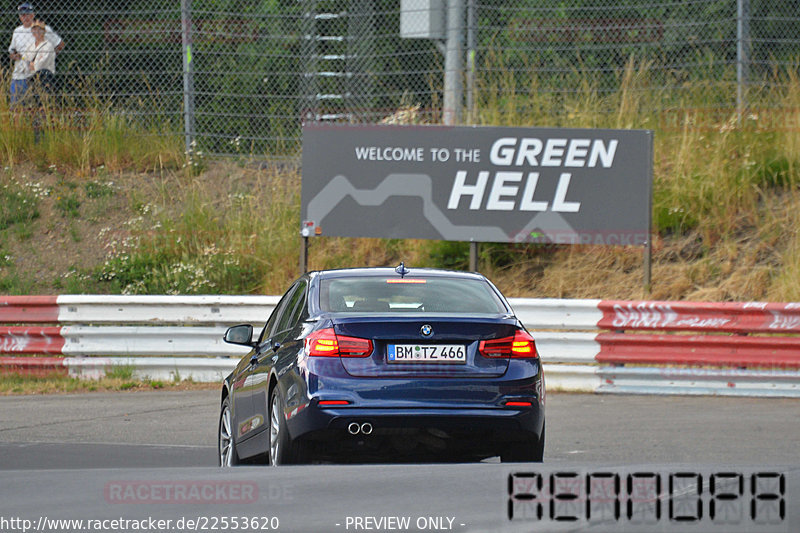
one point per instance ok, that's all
(114, 208)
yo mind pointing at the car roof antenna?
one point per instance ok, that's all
(402, 270)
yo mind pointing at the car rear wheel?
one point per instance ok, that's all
(226, 447)
(282, 449)
(530, 451)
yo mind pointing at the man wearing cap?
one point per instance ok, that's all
(20, 42)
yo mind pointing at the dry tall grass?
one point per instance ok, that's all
(82, 132)
(725, 190)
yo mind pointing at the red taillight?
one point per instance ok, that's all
(322, 343)
(515, 403)
(521, 345)
(331, 403)
(326, 343)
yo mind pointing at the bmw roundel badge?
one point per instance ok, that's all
(426, 330)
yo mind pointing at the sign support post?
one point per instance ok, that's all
(473, 256)
(303, 255)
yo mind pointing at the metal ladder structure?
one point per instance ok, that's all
(336, 81)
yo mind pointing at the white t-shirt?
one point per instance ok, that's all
(21, 41)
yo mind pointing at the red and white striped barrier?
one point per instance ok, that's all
(151, 325)
(651, 347)
(590, 345)
(117, 309)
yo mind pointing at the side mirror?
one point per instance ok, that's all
(241, 334)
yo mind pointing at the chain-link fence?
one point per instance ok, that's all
(241, 76)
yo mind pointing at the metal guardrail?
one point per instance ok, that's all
(183, 310)
(585, 345)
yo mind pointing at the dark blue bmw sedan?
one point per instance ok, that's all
(385, 364)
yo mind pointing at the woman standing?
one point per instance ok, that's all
(41, 58)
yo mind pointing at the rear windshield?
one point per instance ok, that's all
(403, 295)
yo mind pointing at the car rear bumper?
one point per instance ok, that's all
(506, 424)
(403, 433)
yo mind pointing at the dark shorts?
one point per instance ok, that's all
(44, 80)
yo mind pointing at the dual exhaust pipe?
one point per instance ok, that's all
(354, 428)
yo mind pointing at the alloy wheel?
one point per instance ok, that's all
(274, 430)
(225, 444)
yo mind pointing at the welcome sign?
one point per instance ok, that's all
(482, 184)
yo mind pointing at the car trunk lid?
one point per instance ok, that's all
(426, 346)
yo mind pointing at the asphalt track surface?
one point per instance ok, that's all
(178, 429)
(74, 456)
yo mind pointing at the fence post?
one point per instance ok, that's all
(453, 63)
(188, 73)
(471, 51)
(742, 53)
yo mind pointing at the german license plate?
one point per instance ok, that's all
(427, 353)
